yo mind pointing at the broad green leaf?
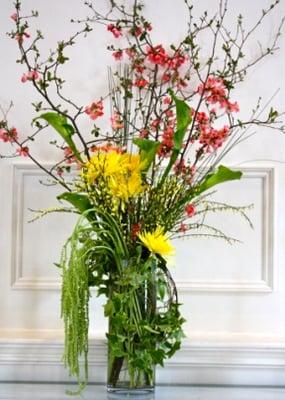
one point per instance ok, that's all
(148, 149)
(183, 120)
(60, 124)
(79, 201)
(223, 174)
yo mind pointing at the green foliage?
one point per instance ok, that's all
(223, 174)
(66, 131)
(79, 201)
(75, 299)
(148, 149)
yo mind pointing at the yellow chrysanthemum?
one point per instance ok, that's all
(120, 173)
(104, 164)
(125, 187)
(157, 242)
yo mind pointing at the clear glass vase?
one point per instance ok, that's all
(130, 365)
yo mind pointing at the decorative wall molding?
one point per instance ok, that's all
(204, 361)
(266, 282)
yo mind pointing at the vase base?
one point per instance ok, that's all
(134, 394)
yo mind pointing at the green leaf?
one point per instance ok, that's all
(60, 124)
(148, 149)
(183, 120)
(79, 201)
(109, 308)
(223, 174)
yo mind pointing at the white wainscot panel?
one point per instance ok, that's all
(200, 265)
(36, 246)
(208, 264)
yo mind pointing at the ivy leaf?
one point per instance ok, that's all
(148, 149)
(223, 174)
(66, 131)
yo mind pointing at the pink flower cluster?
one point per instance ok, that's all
(167, 139)
(95, 110)
(169, 64)
(11, 136)
(215, 92)
(212, 139)
(32, 75)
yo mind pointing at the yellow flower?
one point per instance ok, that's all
(125, 187)
(104, 164)
(157, 242)
(120, 173)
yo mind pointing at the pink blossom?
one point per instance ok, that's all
(23, 151)
(118, 55)
(157, 55)
(166, 77)
(183, 228)
(167, 100)
(59, 171)
(167, 143)
(68, 154)
(202, 118)
(144, 133)
(115, 30)
(176, 61)
(180, 167)
(136, 31)
(214, 90)
(95, 110)
(141, 83)
(190, 210)
(148, 26)
(30, 76)
(116, 121)
(14, 17)
(138, 66)
(9, 135)
(20, 37)
(155, 124)
(212, 138)
(232, 107)
(169, 113)
(131, 52)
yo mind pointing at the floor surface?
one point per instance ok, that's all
(13, 391)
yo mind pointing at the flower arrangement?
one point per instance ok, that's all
(146, 180)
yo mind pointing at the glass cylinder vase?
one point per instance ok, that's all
(131, 344)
